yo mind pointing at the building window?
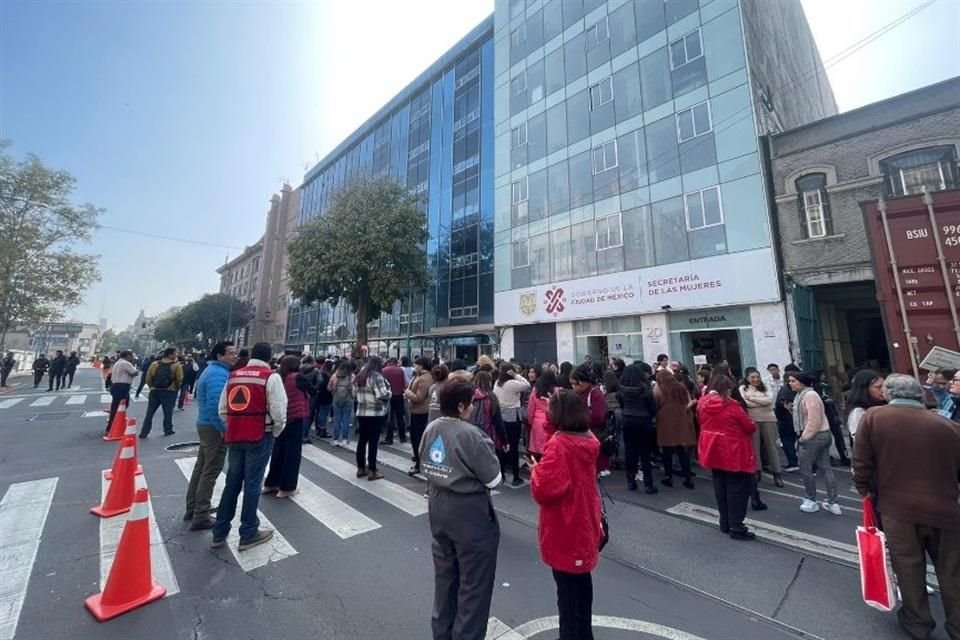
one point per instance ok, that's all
(519, 191)
(521, 253)
(703, 209)
(933, 168)
(814, 206)
(605, 157)
(518, 83)
(519, 201)
(694, 122)
(609, 232)
(519, 35)
(601, 93)
(519, 135)
(598, 33)
(686, 49)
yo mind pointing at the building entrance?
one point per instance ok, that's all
(718, 345)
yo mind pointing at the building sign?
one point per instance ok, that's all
(732, 279)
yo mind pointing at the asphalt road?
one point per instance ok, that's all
(351, 560)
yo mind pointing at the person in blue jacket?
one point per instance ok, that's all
(210, 429)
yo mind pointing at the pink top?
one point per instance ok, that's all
(540, 427)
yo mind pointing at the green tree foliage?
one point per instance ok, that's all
(41, 273)
(111, 341)
(368, 250)
(212, 317)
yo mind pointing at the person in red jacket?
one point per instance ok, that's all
(726, 448)
(595, 405)
(564, 484)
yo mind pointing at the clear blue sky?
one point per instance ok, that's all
(181, 118)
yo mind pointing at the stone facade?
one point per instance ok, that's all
(241, 278)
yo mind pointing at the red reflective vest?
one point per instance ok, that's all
(247, 404)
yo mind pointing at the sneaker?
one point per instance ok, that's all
(792, 469)
(203, 524)
(374, 475)
(259, 537)
(832, 507)
(519, 481)
(604, 473)
(809, 506)
(217, 542)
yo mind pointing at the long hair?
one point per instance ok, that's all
(374, 365)
(671, 388)
(633, 376)
(545, 384)
(483, 380)
(504, 375)
(762, 388)
(859, 394)
(722, 384)
(288, 365)
(567, 412)
(563, 378)
(610, 382)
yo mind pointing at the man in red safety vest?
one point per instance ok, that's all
(254, 407)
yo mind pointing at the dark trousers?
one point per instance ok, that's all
(4, 374)
(732, 490)
(55, 378)
(466, 536)
(70, 374)
(418, 424)
(837, 430)
(909, 545)
(667, 453)
(118, 393)
(511, 459)
(397, 418)
(639, 442)
(788, 438)
(368, 436)
(244, 473)
(143, 381)
(159, 398)
(575, 605)
(182, 394)
(37, 378)
(207, 469)
(285, 460)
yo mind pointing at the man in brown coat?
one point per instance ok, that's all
(913, 457)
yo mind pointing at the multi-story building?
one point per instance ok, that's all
(821, 174)
(436, 137)
(67, 337)
(241, 278)
(631, 205)
(274, 297)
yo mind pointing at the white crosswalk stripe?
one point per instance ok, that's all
(43, 401)
(23, 514)
(9, 403)
(79, 399)
(334, 514)
(106, 398)
(275, 549)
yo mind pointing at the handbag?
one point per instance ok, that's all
(877, 580)
(609, 436)
(604, 522)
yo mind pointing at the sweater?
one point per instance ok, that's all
(419, 394)
(124, 372)
(208, 390)
(541, 429)
(373, 397)
(913, 455)
(759, 403)
(809, 415)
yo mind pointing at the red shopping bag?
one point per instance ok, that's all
(877, 580)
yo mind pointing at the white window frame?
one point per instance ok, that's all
(605, 155)
(699, 194)
(693, 120)
(594, 32)
(520, 190)
(515, 136)
(813, 212)
(519, 89)
(524, 242)
(597, 93)
(606, 222)
(902, 177)
(686, 56)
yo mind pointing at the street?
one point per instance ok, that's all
(351, 558)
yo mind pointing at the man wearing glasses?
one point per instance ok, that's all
(210, 429)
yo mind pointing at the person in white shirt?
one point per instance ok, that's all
(773, 381)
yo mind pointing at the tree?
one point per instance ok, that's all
(40, 274)
(111, 341)
(213, 317)
(368, 250)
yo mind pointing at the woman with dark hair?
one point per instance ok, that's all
(811, 424)
(340, 389)
(373, 404)
(596, 372)
(563, 484)
(288, 446)
(438, 374)
(563, 378)
(759, 401)
(726, 448)
(683, 376)
(675, 430)
(509, 391)
(866, 390)
(461, 466)
(593, 401)
(541, 429)
(638, 407)
(488, 417)
(419, 397)
(531, 374)
(617, 365)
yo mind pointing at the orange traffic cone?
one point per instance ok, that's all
(119, 424)
(130, 583)
(131, 431)
(120, 493)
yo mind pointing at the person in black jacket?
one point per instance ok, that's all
(6, 367)
(144, 365)
(57, 370)
(190, 372)
(72, 363)
(40, 366)
(639, 435)
(783, 409)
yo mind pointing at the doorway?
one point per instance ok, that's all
(719, 345)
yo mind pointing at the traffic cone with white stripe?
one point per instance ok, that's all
(131, 431)
(130, 583)
(120, 493)
(119, 424)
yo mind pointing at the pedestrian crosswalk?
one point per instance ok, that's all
(66, 400)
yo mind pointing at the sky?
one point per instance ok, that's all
(181, 119)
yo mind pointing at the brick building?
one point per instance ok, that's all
(820, 173)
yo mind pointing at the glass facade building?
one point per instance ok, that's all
(436, 137)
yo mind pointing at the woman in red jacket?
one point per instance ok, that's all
(564, 484)
(726, 448)
(596, 406)
(288, 447)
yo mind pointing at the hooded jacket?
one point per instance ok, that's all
(726, 431)
(564, 485)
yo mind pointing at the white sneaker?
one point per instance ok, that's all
(832, 507)
(809, 506)
(604, 473)
(336, 443)
(344, 442)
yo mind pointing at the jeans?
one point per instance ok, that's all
(575, 605)
(368, 436)
(398, 418)
(732, 490)
(639, 440)
(164, 398)
(816, 451)
(512, 457)
(788, 438)
(285, 459)
(119, 392)
(418, 424)
(207, 469)
(323, 414)
(248, 460)
(342, 419)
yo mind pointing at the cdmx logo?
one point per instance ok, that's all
(554, 298)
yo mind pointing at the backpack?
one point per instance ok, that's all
(609, 434)
(341, 393)
(163, 376)
(484, 418)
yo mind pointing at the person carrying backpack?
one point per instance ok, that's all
(340, 389)
(489, 419)
(164, 378)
